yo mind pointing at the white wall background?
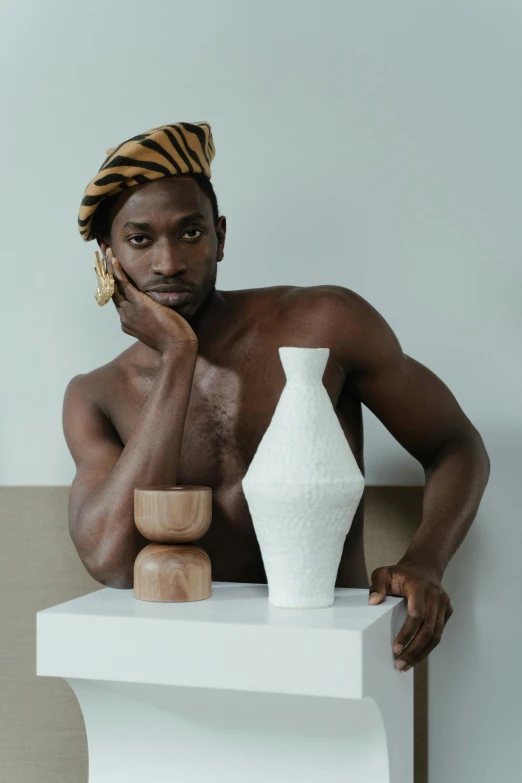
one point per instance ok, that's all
(371, 145)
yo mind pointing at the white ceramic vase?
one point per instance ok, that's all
(303, 487)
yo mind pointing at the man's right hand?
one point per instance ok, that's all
(153, 324)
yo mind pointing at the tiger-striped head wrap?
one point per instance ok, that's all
(169, 150)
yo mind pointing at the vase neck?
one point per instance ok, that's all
(303, 366)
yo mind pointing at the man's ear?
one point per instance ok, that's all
(103, 243)
(221, 231)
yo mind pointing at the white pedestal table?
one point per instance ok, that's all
(233, 690)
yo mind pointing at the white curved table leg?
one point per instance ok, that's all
(397, 720)
(138, 733)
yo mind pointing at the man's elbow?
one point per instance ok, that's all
(487, 462)
(110, 573)
(480, 450)
(121, 579)
(110, 564)
(474, 447)
(466, 445)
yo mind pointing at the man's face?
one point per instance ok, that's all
(163, 233)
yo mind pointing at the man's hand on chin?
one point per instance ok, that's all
(429, 608)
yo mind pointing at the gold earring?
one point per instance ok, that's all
(105, 287)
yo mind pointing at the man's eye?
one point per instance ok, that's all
(137, 239)
(189, 230)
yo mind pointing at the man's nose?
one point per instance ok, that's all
(167, 260)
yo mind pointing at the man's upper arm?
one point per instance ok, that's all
(411, 401)
(92, 440)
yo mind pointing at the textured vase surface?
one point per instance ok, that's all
(303, 487)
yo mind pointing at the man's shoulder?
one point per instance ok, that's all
(97, 385)
(330, 304)
(343, 320)
(314, 300)
(326, 293)
(298, 296)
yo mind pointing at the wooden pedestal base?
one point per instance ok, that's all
(172, 572)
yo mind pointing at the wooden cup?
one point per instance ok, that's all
(172, 573)
(174, 515)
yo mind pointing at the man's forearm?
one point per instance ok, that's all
(455, 483)
(105, 532)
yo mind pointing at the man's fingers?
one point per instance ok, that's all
(123, 290)
(126, 286)
(99, 265)
(117, 296)
(444, 613)
(415, 593)
(379, 585)
(113, 267)
(425, 633)
(108, 261)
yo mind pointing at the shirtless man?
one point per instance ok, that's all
(190, 400)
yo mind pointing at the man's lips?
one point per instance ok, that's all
(170, 297)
